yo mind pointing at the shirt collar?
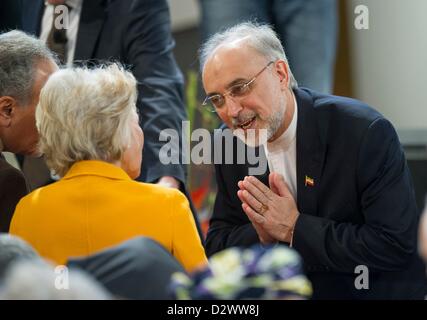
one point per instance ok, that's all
(96, 168)
(73, 4)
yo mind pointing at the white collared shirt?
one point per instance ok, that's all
(281, 154)
(73, 26)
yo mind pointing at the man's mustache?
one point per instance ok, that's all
(239, 120)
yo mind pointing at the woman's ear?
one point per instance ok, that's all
(7, 106)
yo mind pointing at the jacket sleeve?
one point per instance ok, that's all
(229, 225)
(186, 243)
(12, 188)
(148, 47)
(387, 238)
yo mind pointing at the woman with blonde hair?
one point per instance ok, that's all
(90, 136)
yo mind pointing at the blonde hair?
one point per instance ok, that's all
(85, 114)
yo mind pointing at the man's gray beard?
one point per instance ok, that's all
(275, 121)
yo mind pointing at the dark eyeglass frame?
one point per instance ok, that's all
(237, 90)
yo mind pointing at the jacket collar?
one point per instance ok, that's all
(311, 151)
(96, 168)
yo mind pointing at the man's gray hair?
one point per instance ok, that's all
(260, 37)
(19, 54)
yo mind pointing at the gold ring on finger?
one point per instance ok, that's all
(263, 209)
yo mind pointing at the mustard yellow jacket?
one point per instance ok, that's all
(97, 205)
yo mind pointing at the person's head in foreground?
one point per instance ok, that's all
(248, 81)
(137, 269)
(274, 272)
(25, 275)
(38, 280)
(86, 114)
(25, 65)
(12, 250)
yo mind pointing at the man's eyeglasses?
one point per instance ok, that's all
(216, 101)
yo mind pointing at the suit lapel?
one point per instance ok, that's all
(310, 154)
(91, 22)
(32, 14)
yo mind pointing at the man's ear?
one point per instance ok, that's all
(282, 70)
(7, 107)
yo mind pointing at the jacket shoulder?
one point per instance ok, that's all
(337, 115)
(11, 175)
(343, 107)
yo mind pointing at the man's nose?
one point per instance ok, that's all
(233, 107)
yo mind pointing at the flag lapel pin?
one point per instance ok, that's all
(309, 181)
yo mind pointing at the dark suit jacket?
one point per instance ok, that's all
(12, 188)
(360, 211)
(137, 33)
(139, 268)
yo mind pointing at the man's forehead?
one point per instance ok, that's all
(45, 67)
(42, 72)
(230, 62)
(231, 53)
